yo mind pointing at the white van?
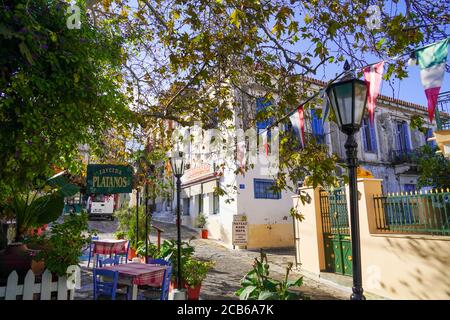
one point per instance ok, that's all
(101, 205)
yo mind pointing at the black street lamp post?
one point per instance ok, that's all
(151, 171)
(348, 98)
(177, 165)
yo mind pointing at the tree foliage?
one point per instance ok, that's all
(59, 89)
(177, 60)
(434, 169)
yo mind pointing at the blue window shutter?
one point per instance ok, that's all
(406, 136)
(373, 137)
(399, 136)
(261, 105)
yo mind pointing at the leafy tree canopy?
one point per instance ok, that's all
(179, 60)
(59, 89)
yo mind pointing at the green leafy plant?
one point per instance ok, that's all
(127, 225)
(169, 251)
(194, 271)
(258, 285)
(65, 242)
(434, 169)
(152, 250)
(200, 221)
(120, 234)
(33, 210)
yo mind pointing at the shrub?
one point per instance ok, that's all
(64, 243)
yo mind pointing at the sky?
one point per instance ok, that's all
(409, 89)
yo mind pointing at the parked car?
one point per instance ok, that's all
(101, 205)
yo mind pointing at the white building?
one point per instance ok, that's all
(384, 150)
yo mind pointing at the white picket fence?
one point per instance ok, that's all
(65, 289)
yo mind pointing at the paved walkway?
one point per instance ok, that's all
(231, 265)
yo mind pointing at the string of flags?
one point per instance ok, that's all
(432, 62)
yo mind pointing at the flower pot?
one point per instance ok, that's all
(193, 293)
(38, 267)
(204, 233)
(15, 257)
(131, 253)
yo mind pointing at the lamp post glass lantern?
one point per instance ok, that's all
(177, 164)
(348, 99)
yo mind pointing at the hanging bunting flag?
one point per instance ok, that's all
(432, 60)
(325, 105)
(298, 123)
(264, 139)
(241, 153)
(372, 77)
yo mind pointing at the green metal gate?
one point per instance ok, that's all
(336, 231)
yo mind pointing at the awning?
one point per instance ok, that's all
(62, 183)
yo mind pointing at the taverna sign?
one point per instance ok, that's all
(108, 178)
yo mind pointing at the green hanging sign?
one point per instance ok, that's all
(108, 178)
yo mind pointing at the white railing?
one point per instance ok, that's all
(64, 286)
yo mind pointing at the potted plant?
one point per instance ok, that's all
(64, 243)
(194, 272)
(127, 228)
(169, 251)
(200, 222)
(30, 210)
(152, 251)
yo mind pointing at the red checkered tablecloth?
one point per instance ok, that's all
(108, 246)
(141, 273)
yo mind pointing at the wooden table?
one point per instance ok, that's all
(135, 274)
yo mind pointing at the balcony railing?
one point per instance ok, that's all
(404, 156)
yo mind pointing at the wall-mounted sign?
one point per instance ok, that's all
(240, 230)
(241, 186)
(197, 172)
(107, 178)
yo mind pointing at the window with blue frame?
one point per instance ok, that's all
(368, 136)
(261, 126)
(317, 127)
(403, 143)
(263, 189)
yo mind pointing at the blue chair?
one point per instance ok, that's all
(91, 248)
(162, 262)
(165, 286)
(107, 261)
(104, 287)
(124, 255)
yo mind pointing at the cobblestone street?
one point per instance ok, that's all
(231, 265)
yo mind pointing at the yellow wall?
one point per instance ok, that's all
(309, 246)
(401, 266)
(393, 266)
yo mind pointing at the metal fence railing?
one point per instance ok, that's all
(413, 213)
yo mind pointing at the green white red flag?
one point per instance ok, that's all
(432, 60)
